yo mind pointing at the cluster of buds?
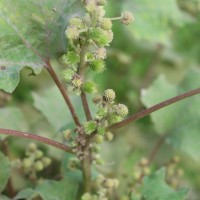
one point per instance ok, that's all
(88, 38)
(35, 160)
(174, 172)
(106, 187)
(108, 111)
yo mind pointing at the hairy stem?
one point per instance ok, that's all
(86, 106)
(63, 92)
(81, 71)
(37, 138)
(153, 109)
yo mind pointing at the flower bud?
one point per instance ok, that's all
(90, 127)
(97, 65)
(38, 166)
(89, 87)
(108, 136)
(121, 110)
(106, 24)
(46, 161)
(27, 162)
(67, 134)
(32, 147)
(68, 74)
(109, 95)
(127, 18)
(100, 53)
(102, 112)
(87, 196)
(99, 139)
(38, 154)
(101, 130)
(77, 80)
(77, 22)
(72, 33)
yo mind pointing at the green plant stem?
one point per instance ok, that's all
(86, 171)
(81, 71)
(37, 138)
(63, 92)
(153, 109)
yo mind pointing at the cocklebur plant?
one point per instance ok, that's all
(89, 38)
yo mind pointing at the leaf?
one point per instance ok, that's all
(27, 193)
(31, 35)
(12, 118)
(5, 170)
(10, 76)
(62, 190)
(155, 188)
(181, 119)
(54, 108)
(154, 20)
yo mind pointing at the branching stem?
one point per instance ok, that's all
(153, 109)
(63, 92)
(37, 138)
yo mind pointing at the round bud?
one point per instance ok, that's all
(106, 24)
(77, 22)
(109, 183)
(144, 161)
(38, 154)
(121, 110)
(100, 53)
(101, 113)
(27, 162)
(32, 147)
(109, 36)
(97, 65)
(99, 139)
(77, 80)
(176, 159)
(72, 33)
(38, 166)
(46, 161)
(67, 134)
(90, 127)
(89, 87)
(115, 183)
(68, 74)
(87, 196)
(127, 18)
(109, 95)
(146, 170)
(108, 136)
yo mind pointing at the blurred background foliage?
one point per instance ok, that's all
(155, 58)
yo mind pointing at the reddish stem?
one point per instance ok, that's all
(37, 138)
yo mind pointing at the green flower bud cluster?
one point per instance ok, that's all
(106, 186)
(35, 160)
(174, 172)
(109, 112)
(73, 164)
(92, 32)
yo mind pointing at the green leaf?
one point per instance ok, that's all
(5, 170)
(155, 188)
(154, 20)
(31, 35)
(62, 190)
(12, 118)
(10, 76)
(27, 193)
(180, 119)
(54, 108)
